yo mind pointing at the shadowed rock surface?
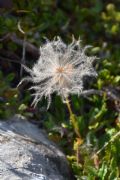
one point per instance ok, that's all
(27, 154)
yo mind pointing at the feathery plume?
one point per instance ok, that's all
(60, 69)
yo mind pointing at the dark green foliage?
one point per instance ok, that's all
(98, 115)
(10, 103)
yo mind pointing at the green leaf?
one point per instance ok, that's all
(10, 77)
(92, 171)
(103, 171)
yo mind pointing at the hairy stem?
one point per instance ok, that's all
(73, 119)
(75, 126)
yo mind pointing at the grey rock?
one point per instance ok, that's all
(27, 154)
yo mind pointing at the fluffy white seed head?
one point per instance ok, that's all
(60, 69)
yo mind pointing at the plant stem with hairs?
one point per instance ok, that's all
(73, 119)
(74, 123)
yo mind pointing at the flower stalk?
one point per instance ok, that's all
(74, 123)
(73, 119)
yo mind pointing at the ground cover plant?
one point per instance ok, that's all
(24, 26)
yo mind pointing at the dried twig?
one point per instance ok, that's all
(24, 47)
(30, 48)
(91, 92)
(107, 143)
(111, 94)
(10, 60)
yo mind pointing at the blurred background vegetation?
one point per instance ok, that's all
(97, 22)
